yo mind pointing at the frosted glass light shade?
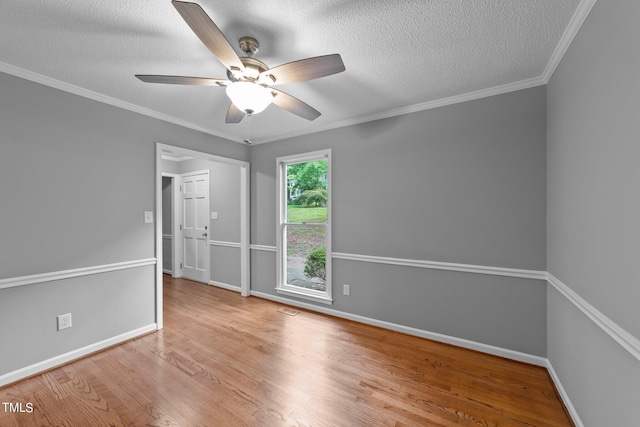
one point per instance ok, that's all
(249, 96)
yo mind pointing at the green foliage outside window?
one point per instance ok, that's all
(313, 198)
(315, 264)
(308, 176)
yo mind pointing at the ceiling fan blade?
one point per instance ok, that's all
(302, 70)
(234, 115)
(294, 105)
(182, 80)
(209, 34)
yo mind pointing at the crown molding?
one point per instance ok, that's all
(86, 93)
(456, 99)
(578, 18)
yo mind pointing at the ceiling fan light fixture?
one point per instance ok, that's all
(249, 97)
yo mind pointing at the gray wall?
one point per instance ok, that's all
(460, 184)
(75, 178)
(593, 210)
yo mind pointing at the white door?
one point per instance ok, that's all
(195, 226)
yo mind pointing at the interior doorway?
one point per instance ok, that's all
(228, 178)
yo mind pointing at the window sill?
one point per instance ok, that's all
(304, 295)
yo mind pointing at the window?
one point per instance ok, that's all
(304, 226)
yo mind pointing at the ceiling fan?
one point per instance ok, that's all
(249, 81)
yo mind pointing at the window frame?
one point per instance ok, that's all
(281, 224)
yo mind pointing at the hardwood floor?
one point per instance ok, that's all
(225, 360)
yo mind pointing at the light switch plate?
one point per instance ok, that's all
(214, 215)
(148, 217)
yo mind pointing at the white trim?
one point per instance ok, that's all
(282, 286)
(225, 244)
(245, 228)
(460, 342)
(466, 268)
(578, 18)
(45, 365)
(165, 271)
(86, 93)
(310, 156)
(193, 173)
(175, 159)
(436, 265)
(12, 282)
(564, 395)
(158, 241)
(304, 295)
(483, 93)
(180, 151)
(266, 248)
(225, 286)
(456, 99)
(615, 331)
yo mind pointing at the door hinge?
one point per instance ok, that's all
(180, 265)
(180, 227)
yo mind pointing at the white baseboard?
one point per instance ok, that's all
(563, 395)
(225, 286)
(45, 365)
(460, 342)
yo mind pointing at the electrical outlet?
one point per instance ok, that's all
(346, 289)
(64, 321)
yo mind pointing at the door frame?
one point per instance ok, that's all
(245, 181)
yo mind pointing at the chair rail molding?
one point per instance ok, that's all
(437, 265)
(615, 331)
(75, 272)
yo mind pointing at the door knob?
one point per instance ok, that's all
(204, 234)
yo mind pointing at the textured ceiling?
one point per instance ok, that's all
(399, 55)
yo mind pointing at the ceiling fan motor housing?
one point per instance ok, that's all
(252, 68)
(249, 45)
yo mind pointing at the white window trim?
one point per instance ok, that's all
(281, 210)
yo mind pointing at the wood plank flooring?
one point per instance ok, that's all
(225, 360)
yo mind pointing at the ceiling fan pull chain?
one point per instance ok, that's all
(247, 140)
